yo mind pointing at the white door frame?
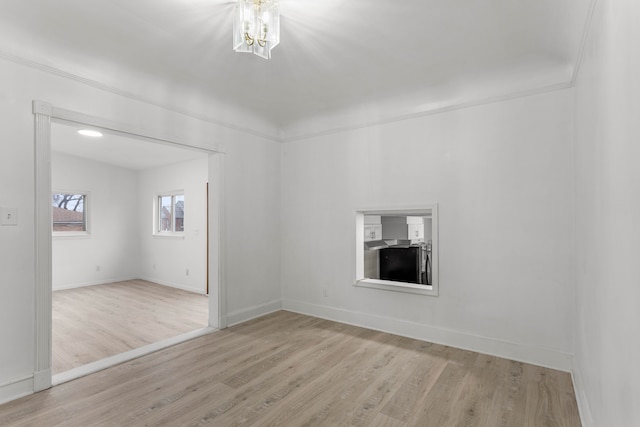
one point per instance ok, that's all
(43, 114)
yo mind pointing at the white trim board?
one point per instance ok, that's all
(581, 399)
(200, 290)
(126, 279)
(16, 389)
(288, 137)
(534, 355)
(96, 283)
(246, 314)
(117, 359)
(282, 135)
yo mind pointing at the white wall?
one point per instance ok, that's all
(251, 192)
(252, 247)
(111, 251)
(607, 206)
(501, 174)
(165, 260)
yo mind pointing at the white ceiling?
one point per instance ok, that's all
(117, 149)
(333, 55)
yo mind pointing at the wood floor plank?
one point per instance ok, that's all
(285, 406)
(313, 397)
(404, 401)
(192, 375)
(361, 400)
(229, 367)
(382, 420)
(261, 397)
(508, 404)
(383, 379)
(438, 406)
(95, 322)
(295, 370)
(474, 403)
(546, 404)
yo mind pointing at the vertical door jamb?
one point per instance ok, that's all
(43, 280)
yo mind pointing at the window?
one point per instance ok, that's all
(397, 249)
(170, 213)
(69, 213)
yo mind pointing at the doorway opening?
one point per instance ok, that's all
(129, 264)
(119, 215)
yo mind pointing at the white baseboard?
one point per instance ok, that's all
(581, 398)
(509, 350)
(84, 284)
(172, 285)
(41, 380)
(249, 313)
(16, 389)
(124, 279)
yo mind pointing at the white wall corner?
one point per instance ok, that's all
(534, 355)
(245, 314)
(169, 284)
(94, 283)
(16, 389)
(581, 398)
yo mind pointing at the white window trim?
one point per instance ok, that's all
(62, 235)
(179, 235)
(388, 285)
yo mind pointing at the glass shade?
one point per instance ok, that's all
(256, 26)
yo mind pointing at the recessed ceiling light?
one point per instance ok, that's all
(90, 132)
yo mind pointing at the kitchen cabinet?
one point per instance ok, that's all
(372, 232)
(415, 231)
(372, 227)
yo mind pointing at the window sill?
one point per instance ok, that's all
(389, 285)
(171, 236)
(62, 235)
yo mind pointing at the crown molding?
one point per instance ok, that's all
(429, 112)
(130, 95)
(283, 137)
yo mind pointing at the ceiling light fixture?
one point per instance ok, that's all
(256, 26)
(90, 132)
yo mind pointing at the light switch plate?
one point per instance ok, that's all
(8, 216)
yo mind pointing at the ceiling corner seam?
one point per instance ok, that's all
(449, 108)
(120, 92)
(583, 43)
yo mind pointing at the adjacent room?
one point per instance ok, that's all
(129, 224)
(392, 213)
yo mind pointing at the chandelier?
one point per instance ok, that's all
(256, 26)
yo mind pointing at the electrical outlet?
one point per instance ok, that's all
(97, 268)
(187, 271)
(325, 292)
(8, 216)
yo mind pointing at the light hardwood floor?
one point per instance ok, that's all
(287, 369)
(95, 322)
